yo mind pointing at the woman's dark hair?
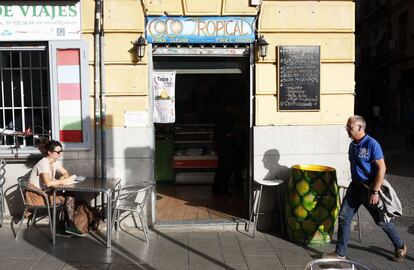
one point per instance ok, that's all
(45, 146)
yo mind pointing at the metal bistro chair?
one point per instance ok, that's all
(23, 187)
(334, 264)
(132, 199)
(2, 181)
(254, 213)
(343, 190)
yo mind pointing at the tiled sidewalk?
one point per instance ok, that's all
(184, 248)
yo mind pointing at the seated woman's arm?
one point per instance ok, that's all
(45, 177)
(65, 174)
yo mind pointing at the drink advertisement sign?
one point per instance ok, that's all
(163, 85)
(212, 30)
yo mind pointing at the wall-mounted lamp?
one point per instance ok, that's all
(140, 45)
(262, 44)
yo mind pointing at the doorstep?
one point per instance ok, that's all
(201, 224)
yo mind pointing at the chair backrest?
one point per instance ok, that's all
(2, 172)
(138, 193)
(23, 183)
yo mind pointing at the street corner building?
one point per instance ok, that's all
(144, 90)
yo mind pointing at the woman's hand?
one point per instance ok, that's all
(70, 179)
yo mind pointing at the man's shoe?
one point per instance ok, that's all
(400, 253)
(74, 231)
(333, 255)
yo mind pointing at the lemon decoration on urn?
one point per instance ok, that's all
(312, 204)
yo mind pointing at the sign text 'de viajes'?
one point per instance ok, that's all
(39, 20)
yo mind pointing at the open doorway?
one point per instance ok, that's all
(202, 160)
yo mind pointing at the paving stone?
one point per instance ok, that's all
(279, 242)
(293, 256)
(48, 262)
(181, 249)
(264, 262)
(236, 267)
(256, 247)
(130, 267)
(89, 266)
(215, 257)
(234, 258)
(206, 266)
(16, 264)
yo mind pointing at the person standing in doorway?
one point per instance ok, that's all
(377, 121)
(368, 171)
(224, 147)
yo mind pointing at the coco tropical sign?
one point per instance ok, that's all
(200, 30)
(39, 20)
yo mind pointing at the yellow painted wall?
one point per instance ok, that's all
(117, 105)
(238, 7)
(126, 78)
(199, 7)
(124, 15)
(307, 16)
(328, 24)
(159, 7)
(202, 8)
(336, 78)
(335, 47)
(335, 109)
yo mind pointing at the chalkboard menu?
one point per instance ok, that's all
(299, 78)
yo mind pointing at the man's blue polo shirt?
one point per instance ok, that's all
(366, 151)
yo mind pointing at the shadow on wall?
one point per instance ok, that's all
(128, 153)
(268, 205)
(138, 165)
(14, 200)
(271, 163)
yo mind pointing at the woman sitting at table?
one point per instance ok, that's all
(48, 173)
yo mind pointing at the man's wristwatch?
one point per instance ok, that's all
(374, 192)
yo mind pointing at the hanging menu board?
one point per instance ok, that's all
(299, 78)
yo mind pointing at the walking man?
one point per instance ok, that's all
(367, 170)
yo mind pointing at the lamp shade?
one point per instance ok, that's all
(140, 45)
(263, 45)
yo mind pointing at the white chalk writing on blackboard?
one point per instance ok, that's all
(299, 78)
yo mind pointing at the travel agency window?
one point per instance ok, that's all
(43, 93)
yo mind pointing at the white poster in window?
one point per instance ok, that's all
(163, 85)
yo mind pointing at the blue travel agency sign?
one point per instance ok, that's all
(213, 30)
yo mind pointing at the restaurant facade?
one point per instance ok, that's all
(134, 89)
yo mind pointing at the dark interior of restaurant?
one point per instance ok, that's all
(191, 182)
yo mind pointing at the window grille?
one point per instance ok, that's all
(24, 95)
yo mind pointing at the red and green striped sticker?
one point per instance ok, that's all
(69, 95)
